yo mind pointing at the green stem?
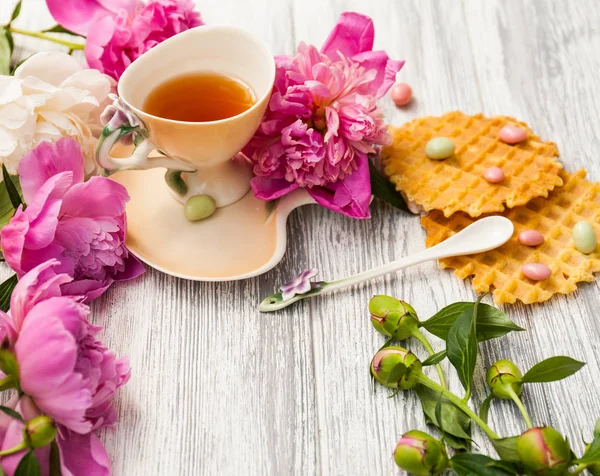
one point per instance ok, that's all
(579, 469)
(515, 398)
(424, 380)
(45, 36)
(8, 382)
(423, 340)
(20, 447)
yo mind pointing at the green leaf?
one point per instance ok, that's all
(12, 413)
(552, 369)
(16, 11)
(6, 289)
(434, 359)
(592, 454)
(5, 51)
(28, 466)
(60, 29)
(6, 208)
(507, 448)
(55, 460)
(597, 428)
(462, 346)
(484, 410)
(11, 189)
(491, 322)
(467, 464)
(453, 422)
(384, 190)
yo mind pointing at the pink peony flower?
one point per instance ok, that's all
(79, 454)
(80, 224)
(75, 386)
(117, 39)
(323, 120)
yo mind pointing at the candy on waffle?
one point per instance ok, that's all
(554, 217)
(457, 183)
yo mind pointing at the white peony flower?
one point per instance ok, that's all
(51, 96)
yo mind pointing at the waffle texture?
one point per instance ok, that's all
(457, 184)
(554, 217)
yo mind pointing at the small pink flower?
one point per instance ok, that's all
(301, 284)
(116, 39)
(323, 120)
(79, 454)
(75, 385)
(80, 224)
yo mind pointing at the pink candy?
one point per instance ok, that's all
(401, 94)
(512, 134)
(531, 238)
(493, 174)
(536, 271)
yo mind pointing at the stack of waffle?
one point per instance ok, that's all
(535, 194)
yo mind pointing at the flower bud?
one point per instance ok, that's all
(544, 450)
(420, 454)
(395, 367)
(39, 432)
(393, 318)
(502, 376)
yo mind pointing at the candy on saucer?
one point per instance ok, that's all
(457, 182)
(555, 218)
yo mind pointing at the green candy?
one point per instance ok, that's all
(439, 148)
(199, 207)
(584, 237)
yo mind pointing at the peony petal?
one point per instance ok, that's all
(99, 196)
(79, 15)
(90, 288)
(47, 160)
(133, 269)
(270, 189)
(10, 89)
(83, 455)
(52, 68)
(352, 34)
(13, 240)
(386, 72)
(350, 196)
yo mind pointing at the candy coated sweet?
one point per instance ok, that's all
(584, 237)
(536, 271)
(512, 134)
(531, 238)
(401, 94)
(493, 174)
(439, 148)
(199, 207)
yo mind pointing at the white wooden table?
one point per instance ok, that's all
(218, 388)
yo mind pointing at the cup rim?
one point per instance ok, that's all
(261, 43)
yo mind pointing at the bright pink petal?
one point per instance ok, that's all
(37, 285)
(386, 72)
(47, 160)
(99, 196)
(353, 34)
(133, 269)
(56, 389)
(83, 454)
(13, 240)
(80, 15)
(270, 189)
(90, 288)
(350, 196)
(99, 36)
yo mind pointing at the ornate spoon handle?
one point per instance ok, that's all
(483, 235)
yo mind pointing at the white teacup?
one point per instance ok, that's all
(197, 154)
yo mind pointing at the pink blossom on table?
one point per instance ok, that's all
(80, 224)
(75, 386)
(80, 15)
(79, 454)
(116, 40)
(301, 284)
(322, 120)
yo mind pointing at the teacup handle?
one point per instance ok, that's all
(120, 121)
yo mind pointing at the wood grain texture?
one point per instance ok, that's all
(218, 388)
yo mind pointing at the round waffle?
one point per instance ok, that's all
(554, 217)
(457, 183)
